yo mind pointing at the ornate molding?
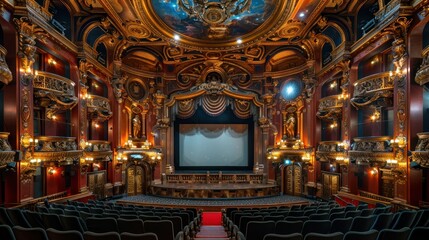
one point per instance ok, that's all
(54, 92)
(98, 108)
(421, 153)
(6, 153)
(370, 89)
(330, 151)
(330, 107)
(5, 73)
(422, 75)
(55, 143)
(373, 151)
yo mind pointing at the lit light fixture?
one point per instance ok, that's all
(333, 125)
(52, 171)
(96, 125)
(374, 171)
(176, 37)
(333, 84)
(391, 162)
(400, 141)
(52, 61)
(302, 14)
(376, 115)
(239, 41)
(306, 157)
(54, 117)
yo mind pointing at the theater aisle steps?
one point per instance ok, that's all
(211, 227)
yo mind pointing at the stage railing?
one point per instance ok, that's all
(214, 178)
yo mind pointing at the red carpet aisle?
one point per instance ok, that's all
(211, 227)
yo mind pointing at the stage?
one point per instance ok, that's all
(214, 190)
(207, 204)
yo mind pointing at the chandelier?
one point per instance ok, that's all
(212, 12)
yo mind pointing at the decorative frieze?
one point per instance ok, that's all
(98, 108)
(56, 149)
(373, 151)
(330, 107)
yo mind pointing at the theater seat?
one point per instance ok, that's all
(322, 236)
(54, 234)
(101, 236)
(6, 232)
(140, 236)
(22, 233)
(293, 236)
(368, 235)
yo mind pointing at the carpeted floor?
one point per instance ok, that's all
(211, 227)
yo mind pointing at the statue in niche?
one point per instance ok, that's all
(136, 126)
(290, 127)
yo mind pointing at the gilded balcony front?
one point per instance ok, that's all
(54, 92)
(6, 153)
(56, 149)
(330, 107)
(5, 73)
(97, 150)
(422, 75)
(373, 151)
(329, 151)
(98, 108)
(421, 155)
(373, 89)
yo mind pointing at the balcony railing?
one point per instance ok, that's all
(330, 107)
(5, 73)
(55, 93)
(98, 108)
(371, 88)
(328, 151)
(422, 75)
(6, 153)
(421, 155)
(373, 151)
(58, 149)
(97, 150)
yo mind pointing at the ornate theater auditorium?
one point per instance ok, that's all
(214, 99)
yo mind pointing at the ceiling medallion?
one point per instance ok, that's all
(214, 24)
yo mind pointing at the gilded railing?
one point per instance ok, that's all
(98, 108)
(5, 73)
(6, 153)
(371, 88)
(330, 107)
(421, 154)
(54, 92)
(373, 151)
(56, 148)
(328, 151)
(97, 150)
(422, 75)
(214, 178)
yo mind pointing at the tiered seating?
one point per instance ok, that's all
(326, 220)
(98, 220)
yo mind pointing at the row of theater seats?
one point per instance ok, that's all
(90, 219)
(303, 220)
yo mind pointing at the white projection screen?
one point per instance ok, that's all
(213, 145)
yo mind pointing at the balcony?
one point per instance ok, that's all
(97, 150)
(330, 151)
(376, 89)
(422, 75)
(98, 108)
(421, 154)
(6, 153)
(372, 151)
(330, 107)
(54, 92)
(5, 73)
(62, 150)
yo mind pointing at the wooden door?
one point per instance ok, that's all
(293, 179)
(96, 182)
(331, 184)
(135, 180)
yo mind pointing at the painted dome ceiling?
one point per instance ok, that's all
(214, 24)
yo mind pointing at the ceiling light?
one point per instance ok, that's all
(302, 14)
(176, 37)
(239, 41)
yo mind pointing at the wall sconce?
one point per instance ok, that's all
(35, 162)
(342, 160)
(52, 171)
(376, 115)
(344, 145)
(333, 125)
(374, 171)
(333, 84)
(400, 141)
(391, 162)
(52, 61)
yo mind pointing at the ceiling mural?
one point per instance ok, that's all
(214, 19)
